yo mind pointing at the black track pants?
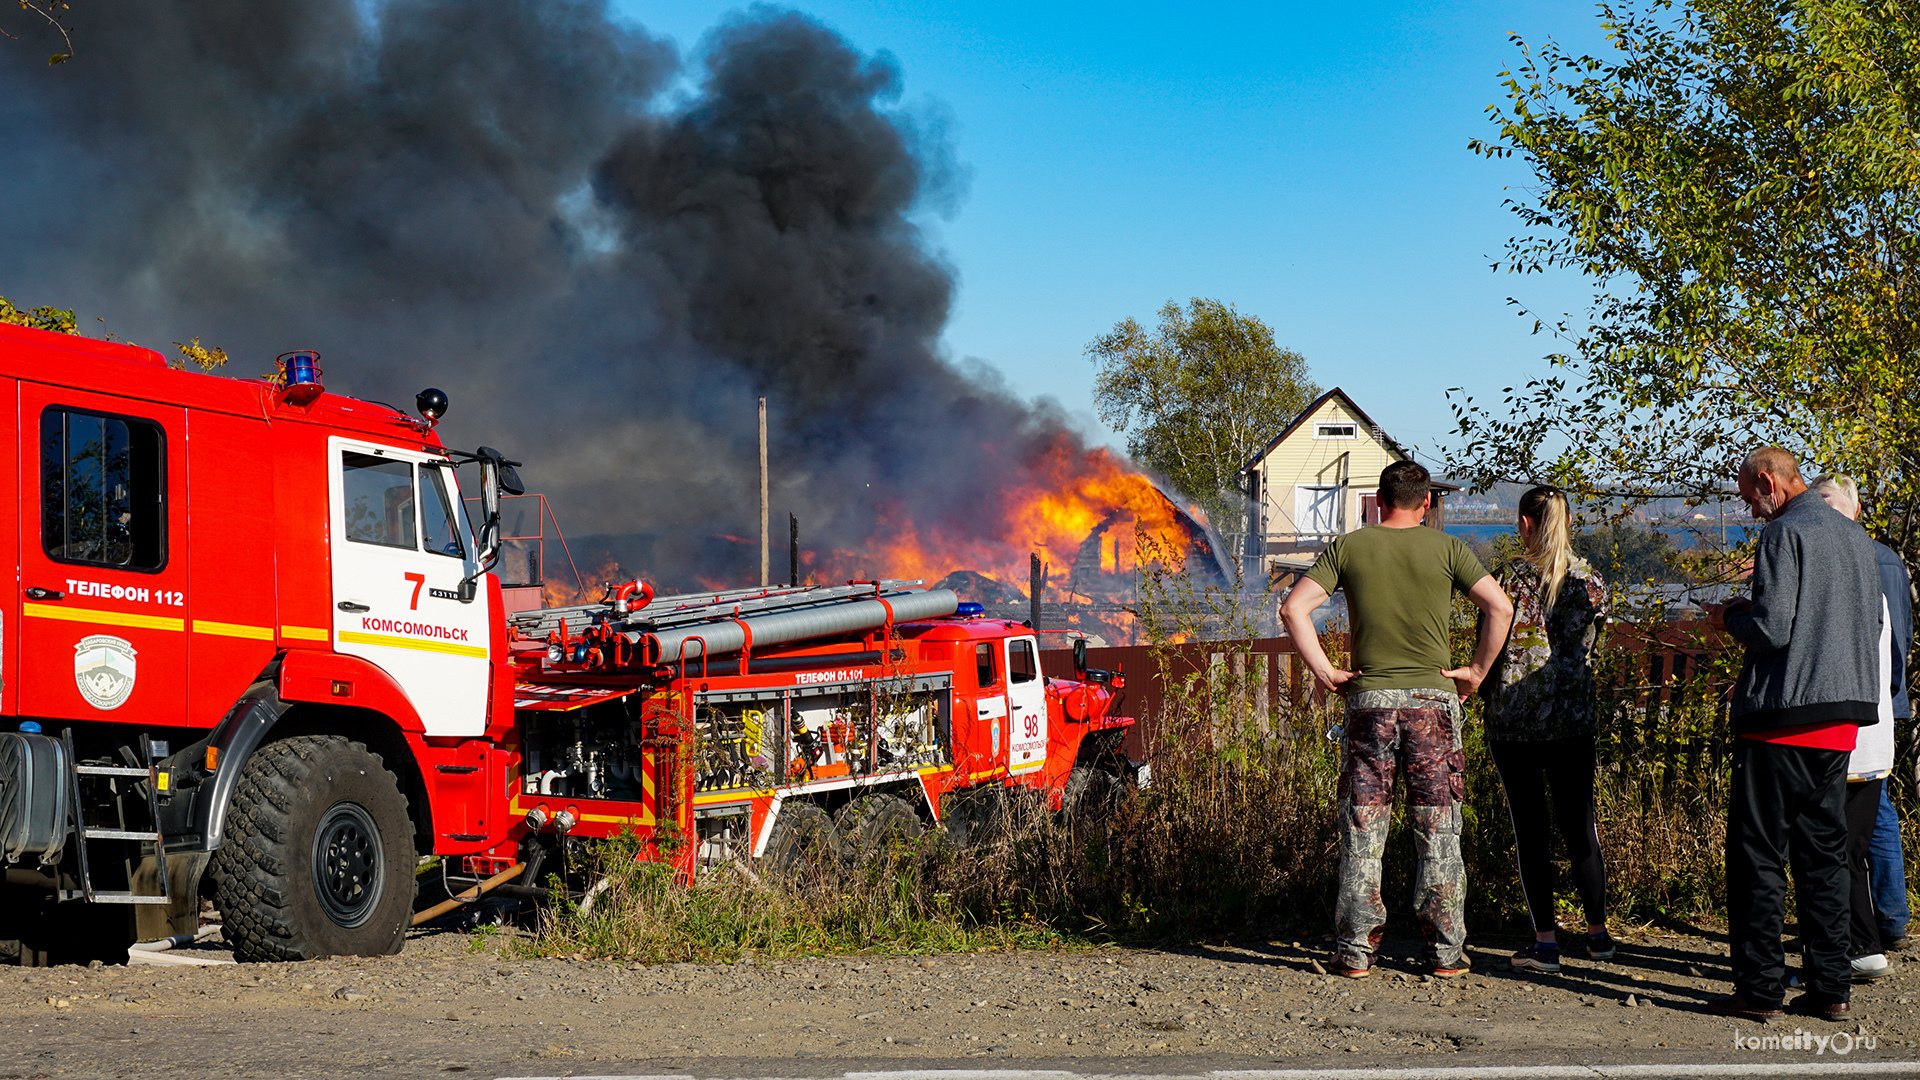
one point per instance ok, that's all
(1863, 806)
(1787, 808)
(1528, 771)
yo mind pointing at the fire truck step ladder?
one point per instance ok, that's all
(87, 834)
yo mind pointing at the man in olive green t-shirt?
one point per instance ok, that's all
(1403, 710)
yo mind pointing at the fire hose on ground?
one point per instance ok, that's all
(470, 895)
(177, 941)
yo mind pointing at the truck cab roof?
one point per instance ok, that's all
(963, 628)
(116, 367)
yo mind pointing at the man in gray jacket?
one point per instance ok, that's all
(1811, 680)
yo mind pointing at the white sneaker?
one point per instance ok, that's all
(1870, 967)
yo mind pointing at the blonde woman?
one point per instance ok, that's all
(1541, 720)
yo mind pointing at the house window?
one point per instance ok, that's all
(1335, 431)
(1316, 509)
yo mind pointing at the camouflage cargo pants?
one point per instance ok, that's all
(1417, 732)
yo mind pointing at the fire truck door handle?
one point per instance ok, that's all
(348, 605)
(38, 593)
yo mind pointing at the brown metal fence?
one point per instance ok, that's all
(1663, 703)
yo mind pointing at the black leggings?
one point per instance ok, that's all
(1527, 770)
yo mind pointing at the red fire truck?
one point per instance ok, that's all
(255, 652)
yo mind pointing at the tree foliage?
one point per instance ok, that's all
(1199, 395)
(1740, 180)
(207, 358)
(41, 318)
(1626, 555)
(58, 321)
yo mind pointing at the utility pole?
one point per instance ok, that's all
(763, 493)
(793, 550)
(1037, 582)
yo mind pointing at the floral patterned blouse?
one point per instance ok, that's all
(1541, 686)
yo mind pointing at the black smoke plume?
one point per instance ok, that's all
(602, 254)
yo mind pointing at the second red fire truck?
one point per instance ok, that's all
(254, 652)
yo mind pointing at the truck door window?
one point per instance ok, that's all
(984, 665)
(1021, 663)
(102, 490)
(379, 494)
(443, 531)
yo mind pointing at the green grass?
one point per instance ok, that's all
(887, 907)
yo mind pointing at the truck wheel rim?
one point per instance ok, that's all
(347, 862)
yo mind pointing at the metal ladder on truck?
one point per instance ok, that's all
(86, 835)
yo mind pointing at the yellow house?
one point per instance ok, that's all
(1318, 479)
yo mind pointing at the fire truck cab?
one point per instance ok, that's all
(207, 566)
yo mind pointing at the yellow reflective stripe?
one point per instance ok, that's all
(714, 798)
(304, 633)
(227, 629)
(357, 638)
(104, 618)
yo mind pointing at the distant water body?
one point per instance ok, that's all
(1682, 536)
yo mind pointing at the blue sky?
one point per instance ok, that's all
(1307, 163)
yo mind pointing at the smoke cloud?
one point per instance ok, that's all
(602, 252)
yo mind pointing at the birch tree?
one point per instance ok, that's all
(1197, 396)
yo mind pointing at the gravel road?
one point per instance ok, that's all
(456, 1003)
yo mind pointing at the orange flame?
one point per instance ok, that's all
(1069, 500)
(1090, 517)
(556, 592)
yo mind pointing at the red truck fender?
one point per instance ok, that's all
(295, 677)
(330, 678)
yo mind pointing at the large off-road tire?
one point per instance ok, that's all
(877, 823)
(974, 817)
(318, 855)
(1093, 794)
(804, 844)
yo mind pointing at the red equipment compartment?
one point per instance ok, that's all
(230, 527)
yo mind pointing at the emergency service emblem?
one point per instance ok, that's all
(103, 669)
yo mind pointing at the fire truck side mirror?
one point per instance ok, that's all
(510, 481)
(1080, 656)
(497, 475)
(500, 475)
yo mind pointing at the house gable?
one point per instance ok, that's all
(1317, 478)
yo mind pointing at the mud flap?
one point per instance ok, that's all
(153, 921)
